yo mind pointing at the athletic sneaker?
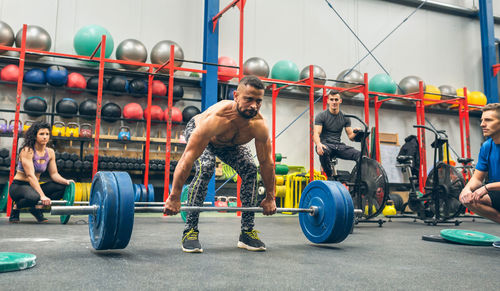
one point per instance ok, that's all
(38, 214)
(250, 240)
(190, 242)
(14, 216)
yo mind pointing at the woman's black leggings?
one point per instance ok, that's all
(25, 196)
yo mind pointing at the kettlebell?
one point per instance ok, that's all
(232, 201)
(3, 125)
(86, 130)
(124, 133)
(374, 209)
(72, 130)
(58, 128)
(27, 125)
(10, 128)
(389, 209)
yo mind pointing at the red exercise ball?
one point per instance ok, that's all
(225, 70)
(159, 88)
(156, 113)
(10, 73)
(76, 80)
(176, 114)
(133, 111)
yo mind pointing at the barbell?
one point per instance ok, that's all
(326, 211)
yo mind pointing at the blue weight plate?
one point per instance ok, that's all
(69, 196)
(144, 193)
(330, 211)
(125, 211)
(151, 193)
(342, 227)
(137, 193)
(102, 225)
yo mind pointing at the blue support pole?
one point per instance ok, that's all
(209, 80)
(488, 49)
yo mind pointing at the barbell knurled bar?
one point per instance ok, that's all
(326, 211)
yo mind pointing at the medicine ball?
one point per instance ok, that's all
(118, 84)
(93, 83)
(88, 107)
(178, 91)
(189, 112)
(159, 88)
(35, 76)
(133, 111)
(67, 107)
(156, 113)
(76, 80)
(176, 114)
(138, 86)
(110, 111)
(35, 103)
(10, 73)
(57, 75)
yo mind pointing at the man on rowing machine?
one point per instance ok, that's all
(223, 130)
(328, 127)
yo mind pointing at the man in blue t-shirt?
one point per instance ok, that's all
(328, 126)
(485, 199)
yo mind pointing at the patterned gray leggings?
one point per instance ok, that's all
(240, 159)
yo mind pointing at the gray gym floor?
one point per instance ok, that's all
(392, 257)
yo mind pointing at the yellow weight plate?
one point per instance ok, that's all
(78, 192)
(88, 191)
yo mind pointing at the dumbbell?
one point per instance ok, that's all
(74, 157)
(78, 164)
(87, 165)
(60, 163)
(89, 158)
(65, 156)
(6, 161)
(4, 153)
(68, 164)
(1, 161)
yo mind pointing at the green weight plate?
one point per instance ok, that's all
(16, 261)
(469, 237)
(281, 169)
(184, 198)
(69, 196)
(278, 157)
(4, 197)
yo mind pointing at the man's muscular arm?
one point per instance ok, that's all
(198, 141)
(263, 148)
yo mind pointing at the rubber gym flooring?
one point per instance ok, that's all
(392, 257)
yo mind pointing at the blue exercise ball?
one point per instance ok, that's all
(57, 75)
(35, 76)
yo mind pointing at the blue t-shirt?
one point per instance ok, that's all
(489, 160)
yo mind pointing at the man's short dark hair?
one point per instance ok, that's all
(333, 92)
(253, 81)
(492, 107)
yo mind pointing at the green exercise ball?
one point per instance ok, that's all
(285, 70)
(382, 83)
(87, 39)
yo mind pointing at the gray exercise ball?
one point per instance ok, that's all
(409, 85)
(447, 90)
(352, 76)
(161, 53)
(6, 35)
(256, 66)
(131, 50)
(318, 72)
(37, 38)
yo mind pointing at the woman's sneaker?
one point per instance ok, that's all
(38, 214)
(14, 216)
(250, 240)
(190, 242)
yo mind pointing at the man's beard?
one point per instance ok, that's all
(248, 114)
